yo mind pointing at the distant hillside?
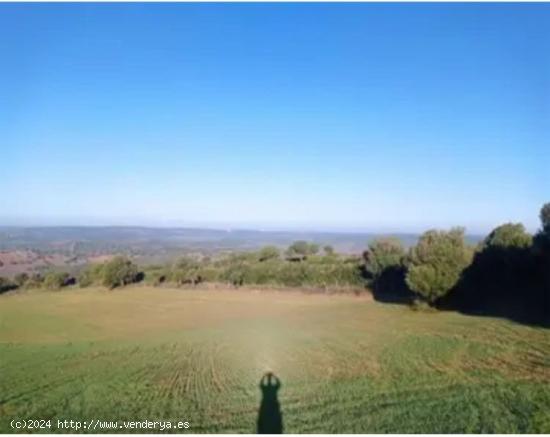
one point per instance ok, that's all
(35, 248)
(77, 239)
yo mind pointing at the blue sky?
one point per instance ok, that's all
(371, 117)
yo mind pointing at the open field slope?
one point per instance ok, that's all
(347, 364)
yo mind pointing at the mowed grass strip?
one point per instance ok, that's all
(347, 364)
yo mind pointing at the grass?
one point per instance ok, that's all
(347, 364)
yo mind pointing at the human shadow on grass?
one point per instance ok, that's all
(270, 418)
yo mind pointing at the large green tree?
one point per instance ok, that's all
(436, 263)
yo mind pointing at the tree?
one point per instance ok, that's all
(509, 235)
(268, 253)
(118, 272)
(329, 250)
(541, 252)
(383, 254)
(384, 268)
(541, 243)
(545, 217)
(436, 263)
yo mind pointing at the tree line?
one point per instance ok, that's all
(506, 273)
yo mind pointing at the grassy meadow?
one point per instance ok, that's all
(346, 363)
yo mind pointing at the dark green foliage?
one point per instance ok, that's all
(118, 272)
(56, 280)
(436, 263)
(502, 278)
(329, 250)
(312, 273)
(6, 285)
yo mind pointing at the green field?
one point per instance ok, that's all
(347, 364)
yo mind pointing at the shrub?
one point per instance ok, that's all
(56, 280)
(383, 254)
(421, 305)
(156, 275)
(6, 285)
(185, 271)
(235, 275)
(91, 275)
(20, 279)
(119, 271)
(300, 250)
(35, 281)
(268, 253)
(436, 263)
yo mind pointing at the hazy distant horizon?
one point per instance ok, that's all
(381, 117)
(221, 226)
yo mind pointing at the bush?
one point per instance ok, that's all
(20, 279)
(436, 263)
(185, 271)
(91, 275)
(56, 280)
(300, 250)
(156, 275)
(421, 305)
(268, 253)
(120, 271)
(383, 254)
(384, 268)
(35, 281)
(6, 285)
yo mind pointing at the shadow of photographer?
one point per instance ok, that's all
(270, 419)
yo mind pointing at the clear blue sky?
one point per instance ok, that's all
(321, 116)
